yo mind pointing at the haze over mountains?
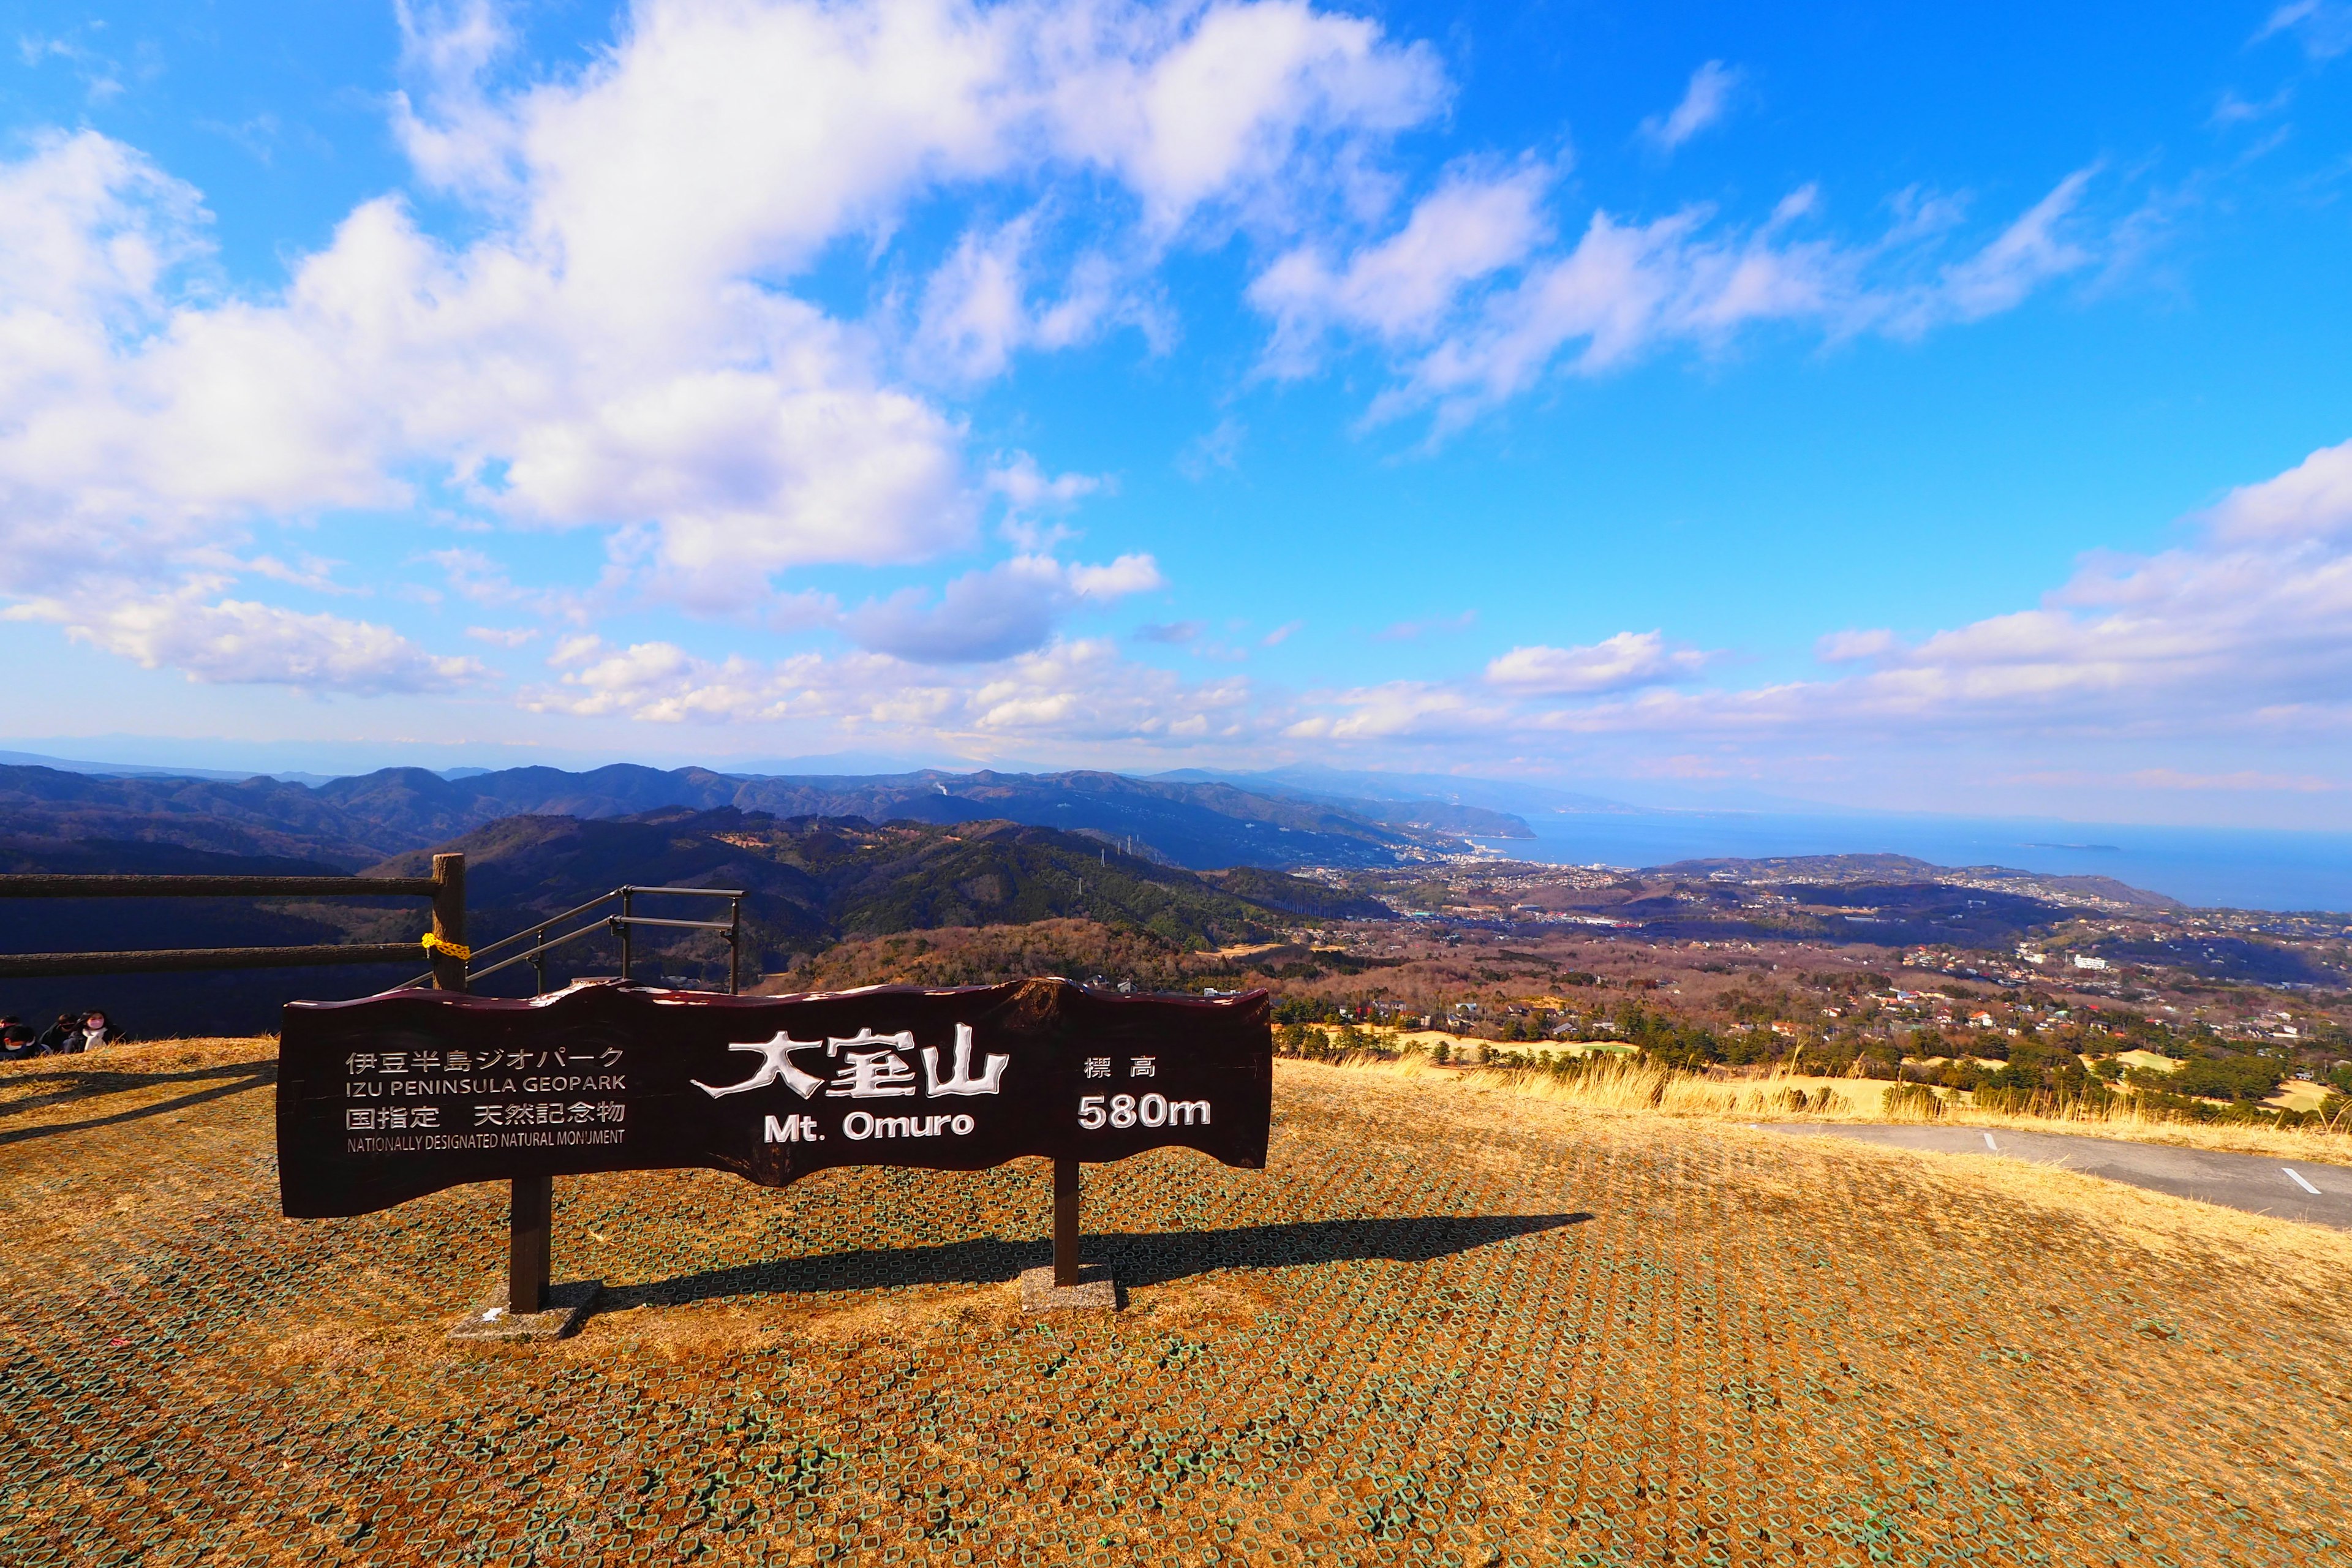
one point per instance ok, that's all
(354, 821)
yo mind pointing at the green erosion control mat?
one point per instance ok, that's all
(1442, 1327)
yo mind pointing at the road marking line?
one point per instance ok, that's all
(1990, 1144)
(2296, 1177)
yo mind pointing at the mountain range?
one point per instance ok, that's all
(806, 882)
(357, 821)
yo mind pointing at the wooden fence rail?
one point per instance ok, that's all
(37, 885)
(445, 948)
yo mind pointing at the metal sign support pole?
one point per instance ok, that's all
(735, 947)
(628, 930)
(1066, 1223)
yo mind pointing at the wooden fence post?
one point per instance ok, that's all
(448, 921)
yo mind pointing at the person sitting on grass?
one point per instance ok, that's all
(95, 1032)
(63, 1038)
(16, 1040)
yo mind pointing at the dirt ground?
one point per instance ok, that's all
(1441, 1327)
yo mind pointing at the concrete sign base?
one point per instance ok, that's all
(567, 1306)
(1095, 1292)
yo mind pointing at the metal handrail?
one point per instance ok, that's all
(620, 925)
(552, 919)
(473, 975)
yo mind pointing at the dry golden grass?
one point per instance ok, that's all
(1441, 1325)
(1430, 1039)
(1627, 1085)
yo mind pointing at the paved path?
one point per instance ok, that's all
(2256, 1183)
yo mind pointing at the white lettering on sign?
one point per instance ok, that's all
(536, 1114)
(1153, 1110)
(961, 1081)
(861, 1125)
(392, 1118)
(873, 1075)
(775, 1063)
(877, 1073)
(791, 1129)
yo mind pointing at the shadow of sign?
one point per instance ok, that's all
(1148, 1258)
(91, 1086)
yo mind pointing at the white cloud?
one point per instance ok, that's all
(2311, 503)
(2225, 657)
(1471, 226)
(1619, 663)
(1006, 610)
(2232, 110)
(2241, 631)
(974, 313)
(2324, 27)
(472, 574)
(2024, 256)
(615, 345)
(1410, 631)
(1217, 447)
(1073, 692)
(1026, 486)
(1479, 302)
(1704, 102)
(1852, 646)
(236, 641)
(1403, 710)
(978, 309)
(1235, 102)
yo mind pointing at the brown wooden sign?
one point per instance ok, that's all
(391, 1096)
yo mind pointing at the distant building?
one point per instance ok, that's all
(2085, 961)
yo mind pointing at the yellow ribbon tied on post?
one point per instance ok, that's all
(456, 949)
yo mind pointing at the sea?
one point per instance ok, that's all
(2246, 869)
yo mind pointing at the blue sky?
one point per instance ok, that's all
(1940, 410)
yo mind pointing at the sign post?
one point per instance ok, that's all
(393, 1097)
(530, 1201)
(1066, 1224)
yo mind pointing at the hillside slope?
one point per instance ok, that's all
(808, 883)
(811, 881)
